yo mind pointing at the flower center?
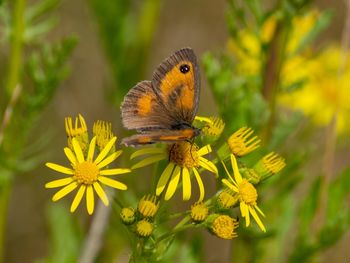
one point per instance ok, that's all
(184, 154)
(247, 192)
(86, 172)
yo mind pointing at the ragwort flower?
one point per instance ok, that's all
(184, 158)
(247, 194)
(87, 174)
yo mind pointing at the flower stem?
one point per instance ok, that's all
(5, 191)
(16, 41)
(271, 74)
(13, 91)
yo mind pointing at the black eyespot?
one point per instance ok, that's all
(184, 68)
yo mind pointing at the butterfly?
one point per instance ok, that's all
(162, 110)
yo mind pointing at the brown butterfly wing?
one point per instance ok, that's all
(141, 109)
(150, 137)
(176, 83)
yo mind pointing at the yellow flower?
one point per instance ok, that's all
(247, 194)
(184, 158)
(148, 206)
(127, 215)
(87, 174)
(251, 56)
(227, 199)
(326, 91)
(270, 164)
(199, 212)
(224, 226)
(103, 132)
(77, 131)
(214, 126)
(241, 143)
(144, 228)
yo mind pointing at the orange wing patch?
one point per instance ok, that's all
(175, 78)
(145, 104)
(185, 99)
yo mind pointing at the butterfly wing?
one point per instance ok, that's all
(176, 83)
(151, 137)
(141, 109)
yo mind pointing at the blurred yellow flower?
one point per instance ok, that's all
(248, 47)
(87, 174)
(326, 91)
(184, 158)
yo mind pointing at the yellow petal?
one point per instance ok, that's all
(60, 168)
(258, 209)
(112, 183)
(115, 171)
(173, 183)
(164, 178)
(59, 182)
(200, 184)
(105, 150)
(257, 219)
(203, 119)
(70, 155)
(109, 159)
(64, 191)
(90, 202)
(146, 151)
(186, 184)
(91, 150)
(229, 185)
(228, 174)
(77, 198)
(149, 160)
(101, 193)
(204, 150)
(77, 149)
(206, 164)
(236, 172)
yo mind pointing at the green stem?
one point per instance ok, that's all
(14, 71)
(15, 64)
(5, 191)
(271, 74)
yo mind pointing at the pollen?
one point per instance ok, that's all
(86, 172)
(241, 142)
(224, 227)
(199, 212)
(148, 206)
(247, 192)
(184, 154)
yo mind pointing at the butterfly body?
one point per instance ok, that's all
(163, 109)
